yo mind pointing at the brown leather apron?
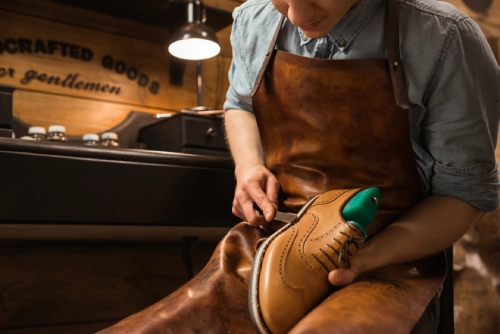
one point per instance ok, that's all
(339, 124)
(325, 124)
(335, 124)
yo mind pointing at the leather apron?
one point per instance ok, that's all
(335, 124)
(324, 124)
(340, 124)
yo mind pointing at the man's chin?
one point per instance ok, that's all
(314, 34)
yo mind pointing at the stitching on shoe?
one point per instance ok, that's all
(283, 255)
(326, 234)
(330, 199)
(304, 237)
(300, 246)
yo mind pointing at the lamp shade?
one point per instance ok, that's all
(194, 41)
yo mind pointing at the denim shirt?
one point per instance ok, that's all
(453, 83)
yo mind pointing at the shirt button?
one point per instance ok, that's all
(342, 43)
(304, 37)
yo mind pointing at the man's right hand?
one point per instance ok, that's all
(256, 185)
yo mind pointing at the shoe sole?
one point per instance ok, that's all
(253, 286)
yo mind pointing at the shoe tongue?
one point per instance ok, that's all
(362, 207)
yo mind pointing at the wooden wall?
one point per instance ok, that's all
(87, 70)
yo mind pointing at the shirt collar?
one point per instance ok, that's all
(350, 25)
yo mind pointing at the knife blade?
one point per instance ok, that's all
(285, 217)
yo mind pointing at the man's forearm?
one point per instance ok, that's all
(427, 228)
(243, 137)
(255, 184)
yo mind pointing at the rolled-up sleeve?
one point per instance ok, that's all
(460, 126)
(240, 86)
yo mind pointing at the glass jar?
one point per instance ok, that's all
(90, 139)
(37, 133)
(57, 133)
(109, 139)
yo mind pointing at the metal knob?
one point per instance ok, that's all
(211, 132)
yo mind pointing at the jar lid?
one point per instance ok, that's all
(27, 138)
(109, 135)
(57, 128)
(90, 136)
(36, 130)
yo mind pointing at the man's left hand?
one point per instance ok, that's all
(344, 276)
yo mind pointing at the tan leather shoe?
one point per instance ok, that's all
(290, 271)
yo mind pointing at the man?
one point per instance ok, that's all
(315, 19)
(343, 96)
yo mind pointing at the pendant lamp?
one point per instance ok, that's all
(195, 40)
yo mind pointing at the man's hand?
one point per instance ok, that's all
(344, 276)
(427, 228)
(255, 185)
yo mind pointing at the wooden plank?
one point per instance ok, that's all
(15, 233)
(78, 283)
(84, 328)
(78, 115)
(225, 42)
(82, 115)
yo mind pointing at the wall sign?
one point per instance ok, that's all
(54, 48)
(39, 46)
(56, 58)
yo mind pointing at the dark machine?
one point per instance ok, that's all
(183, 178)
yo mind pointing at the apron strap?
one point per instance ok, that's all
(269, 54)
(393, 55)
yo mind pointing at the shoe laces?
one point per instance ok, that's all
(344, 248)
